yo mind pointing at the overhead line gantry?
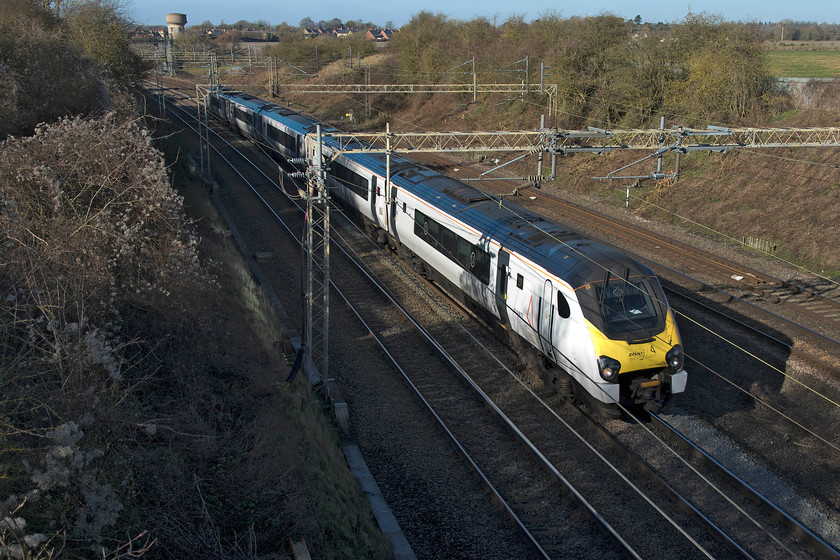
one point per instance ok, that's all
(554, 141)
(561, 142)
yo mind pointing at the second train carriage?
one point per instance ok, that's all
(596, 319)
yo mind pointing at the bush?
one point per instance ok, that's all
(101, 31)
(91, 230)
(43, 78)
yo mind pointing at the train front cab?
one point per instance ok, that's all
(636, 340)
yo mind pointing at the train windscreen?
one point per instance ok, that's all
(625, 307)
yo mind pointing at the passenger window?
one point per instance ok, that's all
(563, 308)
(503, 278)
(520, 281)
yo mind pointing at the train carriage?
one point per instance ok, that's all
(594, 321)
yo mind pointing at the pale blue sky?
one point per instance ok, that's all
(153, 12)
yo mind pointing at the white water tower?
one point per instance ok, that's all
(175, 23)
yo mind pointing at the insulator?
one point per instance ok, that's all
(298, 175)
(297, 161)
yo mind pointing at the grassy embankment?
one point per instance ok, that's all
(278, 467)
(803, 63)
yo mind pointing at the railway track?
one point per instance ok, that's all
(530, 494)
(729, 480)
(565, 438)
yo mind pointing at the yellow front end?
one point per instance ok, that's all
(639, 356)
(649, 372)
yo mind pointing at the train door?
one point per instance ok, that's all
(381, 204)
(391, 210)
(502, 275)
(546, 319)
(374, 190)
(226, 111)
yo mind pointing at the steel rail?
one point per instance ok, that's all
(813, 542)
(684, 503)
(669, 491)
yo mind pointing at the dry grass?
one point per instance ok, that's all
(788, 197)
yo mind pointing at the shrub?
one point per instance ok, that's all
(90, 230)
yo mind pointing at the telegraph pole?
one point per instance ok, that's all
(527, 75)
(475, 81)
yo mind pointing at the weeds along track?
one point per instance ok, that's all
(576, 487)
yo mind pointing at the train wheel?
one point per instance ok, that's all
(419, 266)
(404, 253)
(370, 228)
(566, 389)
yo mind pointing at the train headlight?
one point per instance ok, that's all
(609, 368)
(674, 358)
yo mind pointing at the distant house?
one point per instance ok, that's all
(342, 32)
(150, 35)
(380, 35)
(142, 35)
(310, 32)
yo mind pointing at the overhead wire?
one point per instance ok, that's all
(688, 220)
(682, 217)
(663, 445)
(771, 367)
(732, 239)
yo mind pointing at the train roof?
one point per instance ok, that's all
(563, 251)
(294, 121)
(245, 99)
(300, 124)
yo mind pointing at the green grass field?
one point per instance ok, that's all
(803, 64)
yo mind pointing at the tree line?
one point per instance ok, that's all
(788, 30)
(76, 63)
(610, 72)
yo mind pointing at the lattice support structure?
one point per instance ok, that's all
(545, 140)
(558, 141)
(317, 296)
(203, 134)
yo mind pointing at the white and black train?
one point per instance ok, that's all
(594, 321)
